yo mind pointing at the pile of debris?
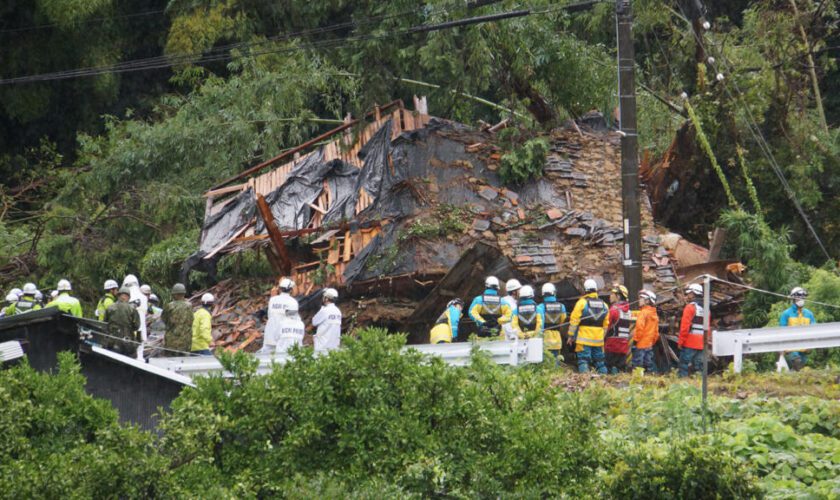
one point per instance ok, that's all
(239, 313)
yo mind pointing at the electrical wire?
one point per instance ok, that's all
(758, 136)
(768, 292)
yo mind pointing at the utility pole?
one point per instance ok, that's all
(629, 150)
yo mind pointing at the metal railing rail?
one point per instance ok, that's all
(737, 343)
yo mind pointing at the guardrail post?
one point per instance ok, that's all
(738, 356)
(514, 352)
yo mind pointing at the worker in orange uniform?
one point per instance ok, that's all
(691, 336)
(647, 331)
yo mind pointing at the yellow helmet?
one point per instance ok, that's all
(620, 290)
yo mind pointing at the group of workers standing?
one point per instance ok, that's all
(285, 328)
(603, 334)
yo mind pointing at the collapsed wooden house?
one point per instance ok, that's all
(403, 212)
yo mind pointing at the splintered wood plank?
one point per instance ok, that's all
(332, 257)
(348, 247)
(357, 241)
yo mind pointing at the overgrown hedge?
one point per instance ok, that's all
(369, 421)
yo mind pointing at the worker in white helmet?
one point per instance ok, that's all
(9, 307)
(277, 317)
(510, 300)
(526, 321)
(202, 329)
(797, 315)
(65, 302)
(587, 326)
(140, 301)
(327, 322)
(553, 315)
(26, 301)
(111, 288)
(691, 336)
(487, 308)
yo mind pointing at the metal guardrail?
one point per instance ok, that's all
(776, 339)
(10, 351)
(503, 352)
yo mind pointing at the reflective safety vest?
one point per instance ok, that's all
(25, 305)
(527, 314)
(697, 322)
(491, 309)
(625, 322)
(595, 312)
(554, 312)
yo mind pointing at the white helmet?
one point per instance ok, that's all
(39, 296)
(146, 290)
(12, 297)
(330, 293)
(286, 284)
(797, 292)
(110, 285)
(695, 288)
(491, 282)
(54, 294)
(154, 299)
(526, 292)
(590, 285)
(16, 291)
(649, 295)
(512, 285)
(63, 286)
(30, 289)
(208, 298)
(131, 280)
(549, 289)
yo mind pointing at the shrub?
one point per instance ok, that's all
(524, 162)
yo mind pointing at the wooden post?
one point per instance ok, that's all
(718, 237)
(275, 236)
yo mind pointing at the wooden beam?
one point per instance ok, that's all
(225, 190)
(718, 237)
(274, 235)
(298, 149)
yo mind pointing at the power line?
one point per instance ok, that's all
(758, 136)
(88, 21)
(222, 54)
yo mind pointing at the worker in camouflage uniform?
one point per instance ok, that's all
(178, 318)
(124, 323)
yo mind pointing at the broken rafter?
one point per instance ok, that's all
(285, 267)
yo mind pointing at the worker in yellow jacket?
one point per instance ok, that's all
(202, 327)
(65, 302)
(446, 326)
(526, 319)
(587, 326)
(553, 315)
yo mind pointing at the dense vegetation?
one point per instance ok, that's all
(369, 421)
(111, 166)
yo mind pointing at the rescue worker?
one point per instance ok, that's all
(39, 298)
(8, 309)
(617, 343)
(178, 318)
(109, 298)
(291, 331)
(140, 302)
(202, 327)
(277, 307)
(647, 331)
(146, 290)
(446, 326)
(65, 302)
(526, 321)
(17, 291)
(25, 302)
(797, 315)
(587, 326)
(123, 324)
(553, 314)
(327, 321)
(511, 298)
(487, 308)
(691, 336)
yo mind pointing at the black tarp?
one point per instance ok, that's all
(290, 202)
(224, 224)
